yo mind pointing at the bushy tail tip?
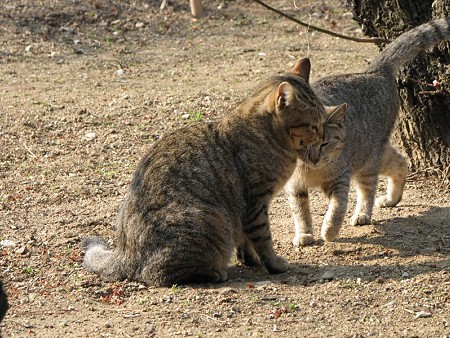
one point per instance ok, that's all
(98, 258)
(90, 242)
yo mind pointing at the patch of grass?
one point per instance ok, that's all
(108, 173)
(29, 270)
(143, 300)
(255, 298)
(109, 41)
(175, 289)
(196, 115)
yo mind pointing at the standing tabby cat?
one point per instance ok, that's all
(358, 148)
(201, 191)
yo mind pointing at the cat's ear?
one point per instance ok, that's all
(336, 114)
(285, 95)
(302, 68)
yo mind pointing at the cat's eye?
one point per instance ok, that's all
(323, 145)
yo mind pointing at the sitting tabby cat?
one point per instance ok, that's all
(201, 191)
(358, 148)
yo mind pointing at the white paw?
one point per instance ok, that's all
(360, 219)
(329, 235)
(385, 201)
(303, 240)
(329, 231)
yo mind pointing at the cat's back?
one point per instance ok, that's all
(362, 90)
(371, 97)
(185, 164)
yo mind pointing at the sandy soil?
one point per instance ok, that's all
(87, 85)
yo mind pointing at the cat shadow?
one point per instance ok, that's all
(309, 275)
(425, 235)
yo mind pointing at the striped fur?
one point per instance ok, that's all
(203, 190)
(361, 148)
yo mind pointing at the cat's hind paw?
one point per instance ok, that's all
(360, 219)
(385, 201)
(303, 240)
(329, 235)
(247, 258)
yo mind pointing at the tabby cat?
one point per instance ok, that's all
(358, 148)
(203, 190)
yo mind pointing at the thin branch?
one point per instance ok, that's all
(377, 41)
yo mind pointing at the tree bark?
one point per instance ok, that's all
(423, 130)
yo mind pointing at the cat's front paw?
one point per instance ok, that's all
(385, 201)
(276, 265)
(360, 219)
(303, 240)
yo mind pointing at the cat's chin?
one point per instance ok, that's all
(313, 166)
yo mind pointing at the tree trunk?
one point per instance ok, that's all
(423, 129)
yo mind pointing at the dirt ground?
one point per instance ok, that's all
(87, 85)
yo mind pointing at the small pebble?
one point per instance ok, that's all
(423, 314)
(328, 275)
(7, 242)
(22, 250)
(227, 290)
(90, 136)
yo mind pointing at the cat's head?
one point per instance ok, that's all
(298, 108)
(329, 148)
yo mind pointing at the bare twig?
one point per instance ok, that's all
(163, 5)
(29, 151)
(377, 41)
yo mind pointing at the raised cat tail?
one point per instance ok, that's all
(409, 44)
(99, 259)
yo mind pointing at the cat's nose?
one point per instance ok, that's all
(314, 160)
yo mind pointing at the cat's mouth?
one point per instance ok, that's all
(308, 159)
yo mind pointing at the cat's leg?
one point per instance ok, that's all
(337, 192)
(246, 252)
(366, 181)
(298, 199)
(395, 168)
(257, 230)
